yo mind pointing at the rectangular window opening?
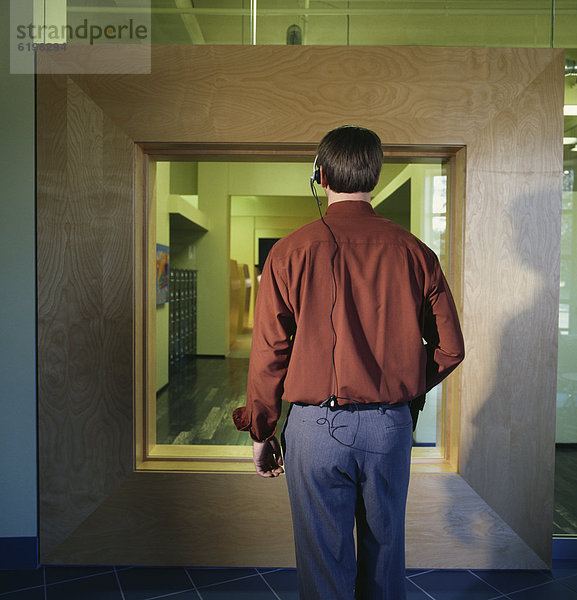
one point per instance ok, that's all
(212, 215)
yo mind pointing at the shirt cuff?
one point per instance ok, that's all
(241, 419)
(243, 422)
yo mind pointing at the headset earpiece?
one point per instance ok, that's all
(316, 176)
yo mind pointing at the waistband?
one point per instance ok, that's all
(355, 405)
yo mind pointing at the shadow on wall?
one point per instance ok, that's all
(508, 446)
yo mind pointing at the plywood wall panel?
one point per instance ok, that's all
(203, 523)
(448, 525)
(502, 105)
(295, 94)
(52, 330)
(85, 292)
(511, 303)
(445, 507)
(117, 230)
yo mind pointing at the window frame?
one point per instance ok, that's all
(150, 456)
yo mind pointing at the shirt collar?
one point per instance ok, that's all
(350, 208)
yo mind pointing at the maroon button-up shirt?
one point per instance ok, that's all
(389, 295)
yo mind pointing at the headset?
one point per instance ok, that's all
(316, 176)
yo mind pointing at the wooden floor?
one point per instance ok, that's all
(196, 407)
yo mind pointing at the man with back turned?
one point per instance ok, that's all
(354, 320)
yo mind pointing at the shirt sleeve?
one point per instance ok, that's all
(442, 332)
(274, 328)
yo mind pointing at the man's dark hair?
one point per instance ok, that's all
(351, 158)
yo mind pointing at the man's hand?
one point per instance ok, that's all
(267, 458)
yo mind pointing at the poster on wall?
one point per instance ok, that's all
(162, 254)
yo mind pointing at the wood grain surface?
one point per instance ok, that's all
(85, 309)
(295, 94)
(449, 526)
(510, 304)
(502, 106)
(206, 520)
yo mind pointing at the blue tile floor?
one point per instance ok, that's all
(140, 583)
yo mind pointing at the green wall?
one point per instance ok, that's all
(17, 299)
(183, 178)
(411, 210)
(245, 201)
(213, 254)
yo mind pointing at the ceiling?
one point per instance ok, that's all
(523, 23)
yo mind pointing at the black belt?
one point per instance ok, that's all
(356, 405)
